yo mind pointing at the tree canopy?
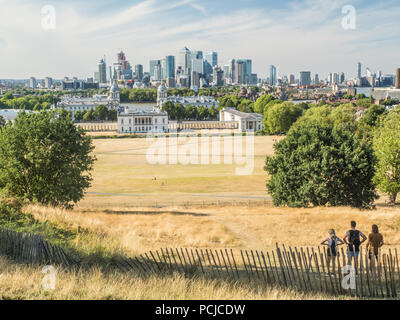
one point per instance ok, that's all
(45, 158)
(387, 149)
(320, 164)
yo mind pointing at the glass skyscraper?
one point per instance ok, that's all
(272, 75)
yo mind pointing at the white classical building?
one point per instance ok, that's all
(131, 121)
(197, 101)
(246, 121)
(74, 104)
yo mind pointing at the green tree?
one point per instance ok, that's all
(45, 158)
(89, 115)
(280, 117)
(191, 112)
(101, 112)
(372, 115)
(364, 103)
(261, 102)
(319, 164)
(387, 150)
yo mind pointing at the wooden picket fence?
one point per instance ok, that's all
(302, 269)
(32, 249)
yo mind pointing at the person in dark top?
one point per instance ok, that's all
(352, 239)
(332, 243)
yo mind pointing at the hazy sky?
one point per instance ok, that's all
(294, 35)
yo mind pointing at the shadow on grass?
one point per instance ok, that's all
(136, 212)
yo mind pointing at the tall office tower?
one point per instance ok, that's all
(398, 78)
(197, 65)
(157, 73)
(102, 69)
(109, 74)
(139, 72)
(226, 71)
(32, 83)
(218, 76)
(272, 75)
(342, 77)
(210, 61)
(153, 65)
(359, 70)
(249, 68)
(183, 59)
(212, 58)
(48, 82)
(232, 71)
(240, 76)
(316, 79)
(195, 80)
(292, 79)
(121, 57)
(125, 68)
(305, 78)
(335, 78)
(169, 67)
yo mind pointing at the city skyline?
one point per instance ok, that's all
(299, 35)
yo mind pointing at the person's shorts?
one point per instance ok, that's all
(350, 254)
(334, 253)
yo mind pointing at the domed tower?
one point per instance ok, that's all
(161, 95)
(114, 94)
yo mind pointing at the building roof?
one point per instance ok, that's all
(244, 115)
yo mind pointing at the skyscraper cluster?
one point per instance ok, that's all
(188, 69)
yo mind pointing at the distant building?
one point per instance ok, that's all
(218, 76)
(316, 79)
(139, 72)
(33, 83)
(197, 101)
(397, 85)
(272, 75)
(74, 104)
(169, 67)
(130, 121)
(359, 70)
(48, 82)
(305, 78)
(246, 121)
(102, 70)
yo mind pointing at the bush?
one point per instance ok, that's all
(320, 164)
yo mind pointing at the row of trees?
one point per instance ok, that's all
(101, 113)
(28, 102)
(179, 112)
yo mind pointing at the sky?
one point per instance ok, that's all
(294, 35)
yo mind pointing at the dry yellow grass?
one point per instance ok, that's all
(141, 229)
(24, 282)
(115, 225)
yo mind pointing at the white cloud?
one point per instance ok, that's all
(305, 35)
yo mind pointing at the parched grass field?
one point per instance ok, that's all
(124, 176)
(119, 215)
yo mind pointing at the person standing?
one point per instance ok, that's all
(375, 242)
(332, 243)
(353, 239)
